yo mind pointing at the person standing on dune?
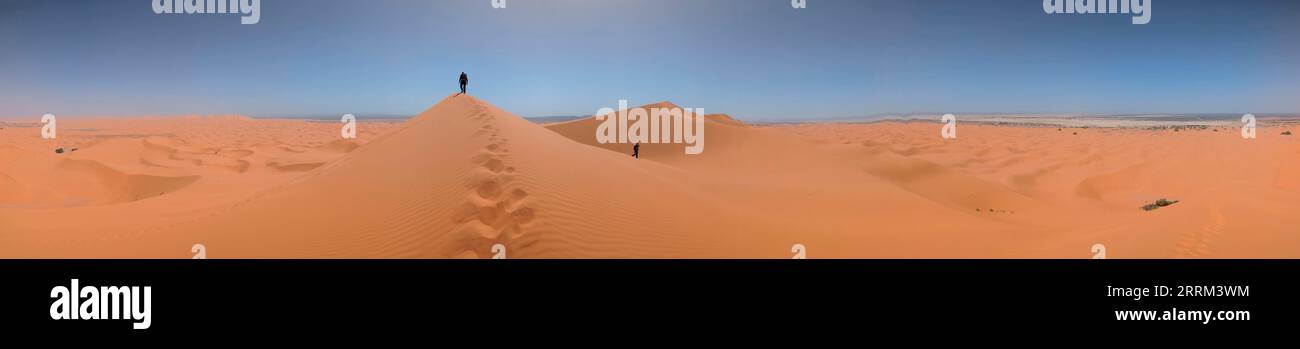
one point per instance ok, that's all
(464, 81)
(636, 150)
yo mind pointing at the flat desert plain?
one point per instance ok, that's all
(464, 176)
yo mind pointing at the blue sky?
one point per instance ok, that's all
(754, 59)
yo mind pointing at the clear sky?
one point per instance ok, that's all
(754, 59)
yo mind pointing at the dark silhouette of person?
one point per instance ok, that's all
(464, 81)
(636, 150)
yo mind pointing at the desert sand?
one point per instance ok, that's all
(464, 175)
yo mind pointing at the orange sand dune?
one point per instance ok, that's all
(465, 175)
(1084, 185)
(142, 173)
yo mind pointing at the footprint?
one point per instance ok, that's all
(495, 165)
(489, 214)
(518, 194)
(483, 156)
(489, 189)
(466, 213)
(523, 215)
(495, 213)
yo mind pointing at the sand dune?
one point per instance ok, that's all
(1083, 184)
(133, 175)
(464, 175)
(452, 182)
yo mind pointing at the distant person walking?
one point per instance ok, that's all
(636, 150)
(464, 81)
